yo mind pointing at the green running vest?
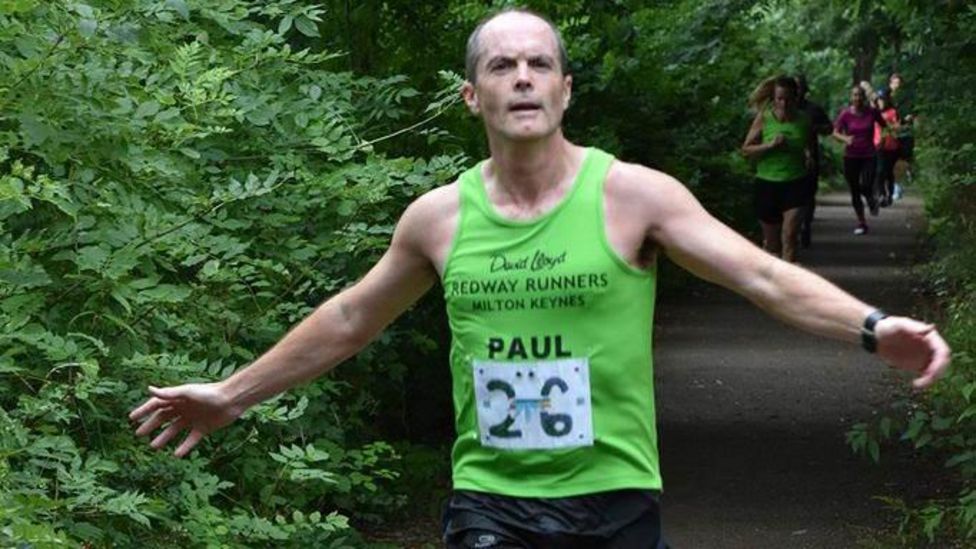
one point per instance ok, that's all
(788, 161)
(551, 351)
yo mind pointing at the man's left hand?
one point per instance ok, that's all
(914, 346)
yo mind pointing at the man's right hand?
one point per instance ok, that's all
(200, 408)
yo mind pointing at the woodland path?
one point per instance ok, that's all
(752, 414)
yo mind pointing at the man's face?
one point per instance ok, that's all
(521, 92)
(894, 83)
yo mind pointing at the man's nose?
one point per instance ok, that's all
(523, 77)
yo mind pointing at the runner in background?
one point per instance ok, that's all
(854, 126)
(902, 97)
(870, 94)
(821, 125)
(886, 142)
(781, 140)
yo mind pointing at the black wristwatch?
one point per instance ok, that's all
(868, 339)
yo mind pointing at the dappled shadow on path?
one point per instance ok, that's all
(753, 414)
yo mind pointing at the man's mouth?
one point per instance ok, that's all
(524, 106)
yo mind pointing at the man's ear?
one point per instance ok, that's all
(567, 90)
(470, 97)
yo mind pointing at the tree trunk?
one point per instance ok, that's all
(864, 55)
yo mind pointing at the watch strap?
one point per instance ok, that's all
(868, 338)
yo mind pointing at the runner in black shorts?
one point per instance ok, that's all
(821, 126)
(782, 139)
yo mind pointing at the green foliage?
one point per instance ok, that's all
(936, 50)
(178, 185)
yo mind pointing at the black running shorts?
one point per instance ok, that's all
(775, 197)
(624, 519)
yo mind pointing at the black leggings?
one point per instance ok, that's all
(886, 176)
(859, 173)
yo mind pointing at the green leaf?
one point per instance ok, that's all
(36, 130)
(167, 115)
(874, 450)
(84, 10)
(307, 27)
(166, 293)
(16, 6)
(33, 278)
(210, 268)
(179, 6)
(121, 300)
(143, 283)
(346, 208)
(915, 426)
(923, 440)
(149, 108)
(940, 423)
(91, 258)
(285, 24)
(87, 27)
(968, 412)
(960, 458)
(885, 426)
(127, 504)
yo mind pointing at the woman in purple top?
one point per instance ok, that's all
(854, 127)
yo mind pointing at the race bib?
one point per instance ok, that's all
(534, 405)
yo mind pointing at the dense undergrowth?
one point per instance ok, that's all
(941, 425)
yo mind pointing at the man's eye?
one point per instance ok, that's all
(500, 66)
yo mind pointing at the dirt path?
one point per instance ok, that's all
(752, 414)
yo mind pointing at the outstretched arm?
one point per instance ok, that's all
(701, 244)
(332, 333)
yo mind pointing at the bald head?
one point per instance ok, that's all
(504, 19)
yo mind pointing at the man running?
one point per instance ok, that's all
(821, 126)
(546, 254)
(898, 94)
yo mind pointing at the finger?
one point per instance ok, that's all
(925, 330)
(188, 443)
(146, 408)
(168, 434)
(938, 362)
(166, 393)
(158, 418)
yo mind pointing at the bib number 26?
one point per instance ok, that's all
(535, 405)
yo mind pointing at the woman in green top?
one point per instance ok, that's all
(780, 140)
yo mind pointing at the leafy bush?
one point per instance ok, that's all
(178, 185)
(939, 49)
